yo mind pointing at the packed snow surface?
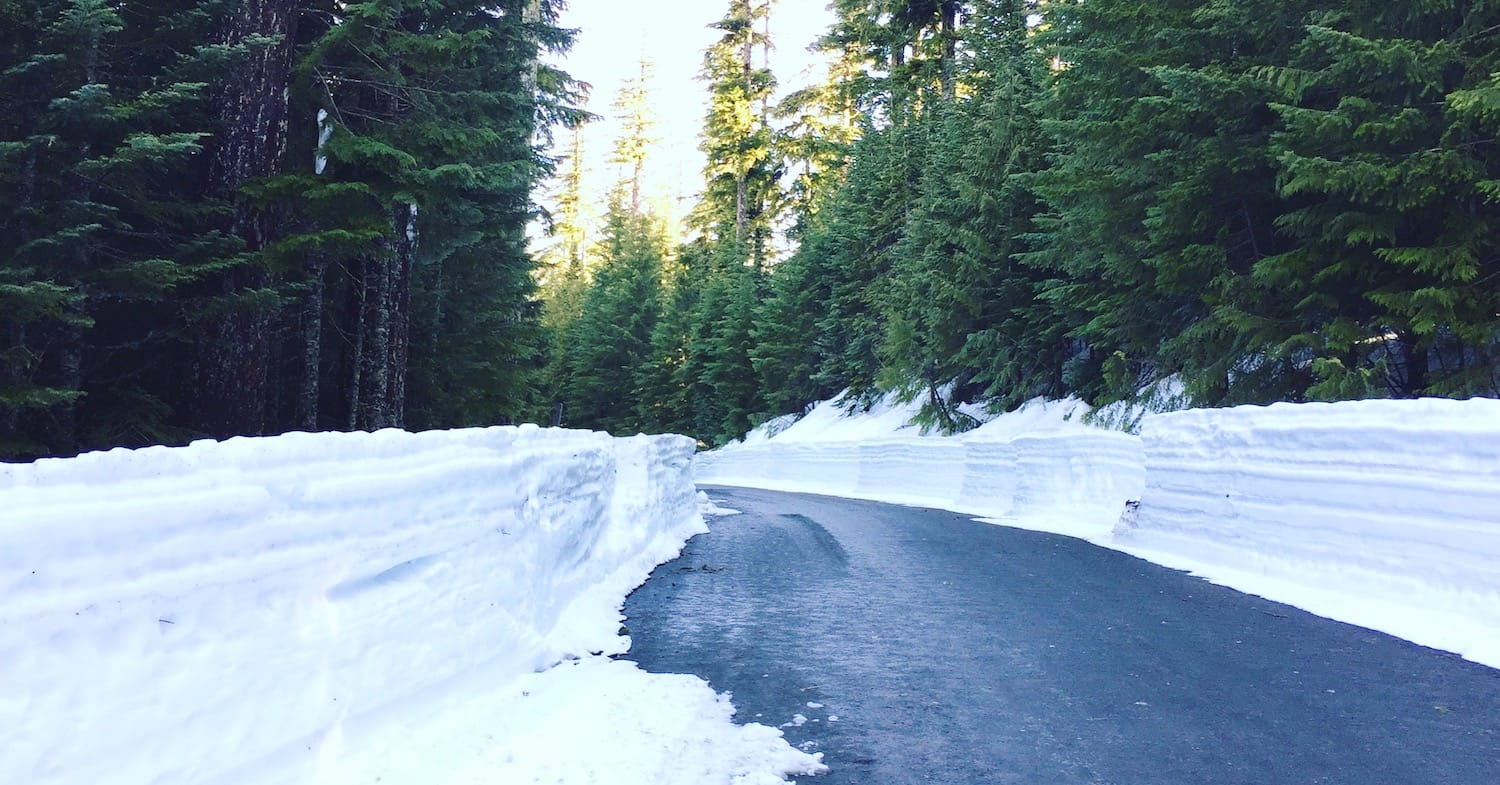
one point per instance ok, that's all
(339, 608)
(1380, 513)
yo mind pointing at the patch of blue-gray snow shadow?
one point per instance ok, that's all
(920, 646)
(408, 571)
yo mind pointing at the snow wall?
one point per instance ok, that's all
(1396, 503)
(1074, 480)
(1379, 513)
(240, 611)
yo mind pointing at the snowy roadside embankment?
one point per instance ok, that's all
(1039, 468)
(337, 607)
(1379, 513)
(1073, 482)
(1385, 514)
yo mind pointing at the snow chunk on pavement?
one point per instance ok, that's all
(708, 508)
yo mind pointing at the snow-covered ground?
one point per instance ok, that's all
(335, 608)
(1384, 514)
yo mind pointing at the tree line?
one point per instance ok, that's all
(244, 217)
(226, 217)
(993, 200)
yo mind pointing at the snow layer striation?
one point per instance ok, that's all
(1385, 514)
(342, 608)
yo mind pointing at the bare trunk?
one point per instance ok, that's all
(1408, 371)
(765, 59)
(231, 386)
(948, 32)
(375, 329)
(14, 372)
(383, 337)
(70, 377)
(356, 351)
(311, 328)
(400, 317)
(742, 173)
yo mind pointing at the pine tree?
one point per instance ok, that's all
(672, 395)
(565, 276)
(726, 397)
(605, 361)
(787, 352)
(1162, 199)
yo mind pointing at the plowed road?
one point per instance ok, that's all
(914, 646)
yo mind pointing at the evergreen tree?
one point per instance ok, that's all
(565, 276)
(786, 351)
(671, 393)
(97, 189)
(200, 254)
(726, 399)
(412, 230)
(964, 319)
(606, 350)
(610, 343)
(739, 199)
(1162, 195)
(1388, 171)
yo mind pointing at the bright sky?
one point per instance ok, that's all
(673, 34)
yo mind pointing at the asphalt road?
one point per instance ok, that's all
(921, 646)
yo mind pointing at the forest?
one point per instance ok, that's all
(244, 217)
(237, 218)
(1267, 200)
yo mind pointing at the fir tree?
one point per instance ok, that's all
(1388, 173)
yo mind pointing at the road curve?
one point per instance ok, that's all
(921, 646)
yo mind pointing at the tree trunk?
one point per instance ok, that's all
(384, 333)
(400, 315)
(374, 360)
(231, 392)
(948, 33)
(67, 440)
(1408, 366)
(742, 173)
(354, 364)
(310, 324)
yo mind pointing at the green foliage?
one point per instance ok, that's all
(609, 345)
(159, 241)
(1386, 148)
(218, 227)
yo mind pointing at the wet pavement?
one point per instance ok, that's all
(920, 646)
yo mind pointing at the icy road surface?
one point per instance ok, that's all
(913, 646)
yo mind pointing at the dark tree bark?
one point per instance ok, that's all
(400, 314)
(384, 340)
(231, 392)
(310, 343)
(355, 354)
(948, 32)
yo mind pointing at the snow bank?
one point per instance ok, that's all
(1385, 513)
(315, 608)
(1038, 467)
